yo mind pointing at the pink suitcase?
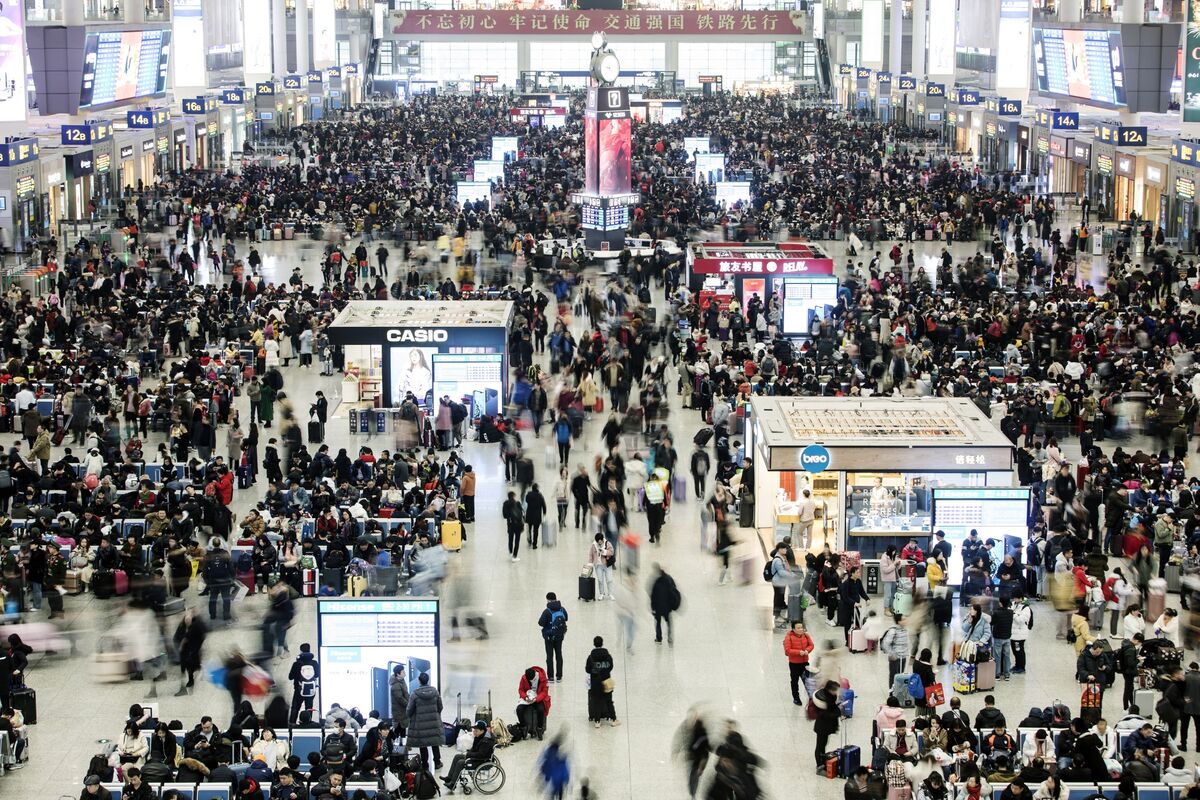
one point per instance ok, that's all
(985, 676)
(858, 641)
(120, 583)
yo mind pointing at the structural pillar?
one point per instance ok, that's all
(917, 49)
(1070, 10)
(303, 61)
(278, 39)
(1133, 12)
(896, 38)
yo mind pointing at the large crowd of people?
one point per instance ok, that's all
(150, 365)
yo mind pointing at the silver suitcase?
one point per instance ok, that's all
(1145, 699)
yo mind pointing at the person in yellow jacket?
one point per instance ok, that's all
(935, 571)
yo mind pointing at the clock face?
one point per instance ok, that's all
(610, 68)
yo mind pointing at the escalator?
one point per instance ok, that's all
(824, 69)
(372, 66)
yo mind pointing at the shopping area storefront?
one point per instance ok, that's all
(1104, 165)
(872, 465)
(1125, 196)
(1154, 188)
(1182, 179)
(879, 90)
(21, 221)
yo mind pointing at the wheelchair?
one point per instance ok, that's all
(485, 778)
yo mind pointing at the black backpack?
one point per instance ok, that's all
(426, 786)
(333, 750)
(99, 767)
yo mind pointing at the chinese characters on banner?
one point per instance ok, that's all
(772, 24)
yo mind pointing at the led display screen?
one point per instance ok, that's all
(941, 36)
(1001, 515)
(1080, 64)
(1012, 60)
(124, 65)
(12, 64)
(872, 32)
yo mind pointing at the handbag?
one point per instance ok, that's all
(607, 685)
(934, 695)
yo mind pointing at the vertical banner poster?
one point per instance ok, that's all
(324, 27)
(1191, 64)
(872, 32)
(12, 63)
(591, 148)
(188, 25)
(256, 15)
(942, 35)
(1012, 62)
(615, 161)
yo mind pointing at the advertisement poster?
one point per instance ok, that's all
(188, 25)
(999, 514)
(591, 142)
(360, 642)
(477, 378)
(710, 167)
(615, 159)
(1012, 61)
(324, 29)
(1191, 64)
(257, 21)
(412, 371)
(12, 63)
(124, 65)
(942, 36)
(505, 148)
(872, 32)
(223, 34)
(473, 192)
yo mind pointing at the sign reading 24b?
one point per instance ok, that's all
(814, 458)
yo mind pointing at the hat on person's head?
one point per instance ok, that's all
(480, 725)
(91, 780)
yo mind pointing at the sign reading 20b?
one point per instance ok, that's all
(814, 458)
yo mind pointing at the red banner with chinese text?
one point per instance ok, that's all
(768, 24)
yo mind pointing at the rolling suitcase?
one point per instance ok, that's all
(1157, 598)
(858, 641)
(356, 585)
(1145, 699)
(71, 584)
(962, 677)
(104, 584)
(452, 534)
(850, 761)
(985, 676)
(795, 609)
(333, 577)
(314, 432)
(247, 580)
(120, 583)
(24, 699)
(587, 587)
(308, 583)
(549, 533)
(384, 580)
(679, 488)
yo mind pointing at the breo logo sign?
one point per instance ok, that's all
(814, 458)
(407, 335)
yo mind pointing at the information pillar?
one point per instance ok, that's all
(607, 197)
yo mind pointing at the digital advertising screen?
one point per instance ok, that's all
(478, 377)
(412, 371)
(999, 514)
(695, 144)
(360, 640)
(616, 165)
(591, 161)
(473, 191)
(1012, 59)
(807, 298)
(942, 26)
(1188, 63)
(872, 32)
(730, 193)
(124, 65)
(505, 148)
(12, 64)
(818, 24)
(489, 170)
(710, 167)
(1080, 64)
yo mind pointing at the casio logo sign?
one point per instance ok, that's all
(408, 335)
(814, 458)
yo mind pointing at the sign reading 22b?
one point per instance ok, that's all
(814, 458)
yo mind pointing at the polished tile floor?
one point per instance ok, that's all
(726, 658)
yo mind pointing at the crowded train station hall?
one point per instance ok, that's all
(600, 399)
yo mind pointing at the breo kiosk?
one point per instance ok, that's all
(431, 349)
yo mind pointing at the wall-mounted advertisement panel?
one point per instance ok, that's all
(730, 193)
(223, 34)
(1191, 64)
(807, 299)
(710, 167)
(12, 63)
(505, 148)
(695, 144)
(478, 379)
(473, 191)
(1080, 64)
(324, 34)
(487, 169)
(257, 21)
(942, 36)
(361, 640)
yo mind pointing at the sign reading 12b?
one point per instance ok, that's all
(814, 458)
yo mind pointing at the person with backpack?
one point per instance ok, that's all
(339, 748)
(514, 519)
(218, 577)
(664, 600)
(777, 573)
(1022, 626)
(305, 676)
(599, 667)
(553, 623)
(1128, 666)
(894, 645)
(1116, 591)
(425, 722)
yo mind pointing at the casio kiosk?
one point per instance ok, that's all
(429, 348)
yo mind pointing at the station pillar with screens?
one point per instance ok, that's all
(361, 640)
(999, 514)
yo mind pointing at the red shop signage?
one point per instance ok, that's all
(777, 264)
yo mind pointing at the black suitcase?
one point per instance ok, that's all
(314, 432)
(104, 584)
(335, 577)
(746, 513)
(24, 700)
(587, 588)
(243, 478)
(794, 612)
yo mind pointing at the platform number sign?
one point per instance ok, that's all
(1132, 136)
(193, 105)
(1010, 108)
(141, 120)
(76, 134)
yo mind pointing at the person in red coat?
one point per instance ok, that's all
(534, 704)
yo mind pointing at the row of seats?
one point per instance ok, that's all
(1021, 734)
(208, 791)
(300, 741)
